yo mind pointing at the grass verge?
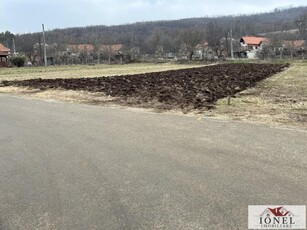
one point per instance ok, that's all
(77, 71)
(279, 100)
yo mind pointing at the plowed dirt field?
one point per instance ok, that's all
(188, 89)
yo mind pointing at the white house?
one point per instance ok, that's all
(252, 44)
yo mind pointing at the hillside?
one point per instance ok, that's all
(142, 33)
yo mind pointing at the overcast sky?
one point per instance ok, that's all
(22, 16)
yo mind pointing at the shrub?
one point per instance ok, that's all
(18, 61)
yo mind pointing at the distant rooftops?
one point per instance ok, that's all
(114, 48)
(295, 43)
(252, 40)
(80, 47)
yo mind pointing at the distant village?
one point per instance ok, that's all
(247, 47)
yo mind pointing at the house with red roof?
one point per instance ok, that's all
(297, 44)
(80, 48)
(4, 54)
(82, 53)
(251, 44)
(112, 51)
(295, 47)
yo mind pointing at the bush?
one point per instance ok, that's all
(18, 61)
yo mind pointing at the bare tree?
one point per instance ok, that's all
(191, 38)
(214, 35)
(156, 42)
(97, 48)
(275, 43)
(133, 48)
(106, 48)
(6, 38)
(292, 48)
(264, 52)
(301, 23)
(26, 46)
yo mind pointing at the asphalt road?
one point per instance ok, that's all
(71, 166)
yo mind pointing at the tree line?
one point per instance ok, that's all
(170, 36)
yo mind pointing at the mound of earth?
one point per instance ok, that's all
(194, 88)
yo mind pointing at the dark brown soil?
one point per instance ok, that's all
(187, 89)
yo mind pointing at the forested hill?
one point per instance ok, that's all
(141, 32)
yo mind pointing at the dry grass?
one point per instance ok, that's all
(279, 100)
(58, 94)
(77, 71)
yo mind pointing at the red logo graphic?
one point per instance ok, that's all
(280, 211)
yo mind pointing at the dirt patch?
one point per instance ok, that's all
(185, 89)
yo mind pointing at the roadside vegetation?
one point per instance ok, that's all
(279, 100)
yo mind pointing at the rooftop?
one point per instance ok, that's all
(80, 47)
(295, 43)
(112, 48)
(4, 49)
(251, 40)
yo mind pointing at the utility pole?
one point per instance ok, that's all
(45, 50)
(231, 45)
(14, 48)
(98, 55)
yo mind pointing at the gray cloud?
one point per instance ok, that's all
(21, 16)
